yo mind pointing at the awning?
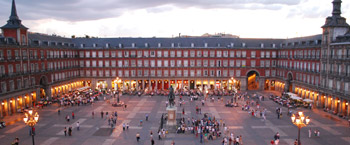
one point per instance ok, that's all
(83, 88)
(308, 100)
(295, 98)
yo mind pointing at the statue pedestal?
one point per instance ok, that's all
(171, 116)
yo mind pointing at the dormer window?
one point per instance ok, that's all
(192, 44)
(178, 44)
(94, 45)
(273, 45)
(205, 44)
(232, 44)
(120, 45)
(261, 45)
(219, 45)
(133, 45)
(172, 45)
(107, 45)
(82, 45)
(243, 44)
(159, 45)
(146, 45)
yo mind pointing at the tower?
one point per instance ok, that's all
(14, 28)
(335, 25)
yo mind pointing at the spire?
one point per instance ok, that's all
(336, 7)
(14, 22)
(14, 15)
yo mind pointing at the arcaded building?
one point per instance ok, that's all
(35, 66)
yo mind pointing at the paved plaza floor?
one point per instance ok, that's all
(95, 131)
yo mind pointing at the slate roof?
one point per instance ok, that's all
(178, 42)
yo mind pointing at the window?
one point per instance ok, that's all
(212, 53)
(12, 85)
(238, 63)
(262, 54)
(139, 63)
(172, 53)
(100, 63)
(94, 54)
(185, 53)
(244, 54)
(199, 63)
(159, 53)
(205, 72)
(252, 63)
(205, 63)
(199, 73)
(262, 63)
(113, 63)
(19, 84)
(145, 53)
(172, 63)
(185, 63)
(212, 63)
(153, 63)
(159, 63)
(179, 63)
(3, 87)
(100, 54)
(219, 53)
(145, 62)
(120, 54)
(199, 53)
(145, 73)
(178, 53)
(238, 73)
(243, 63)
(252, 54)
(232, 63)
(232, 72)
(107, 63)
(267, 54)
(218, 63)
(192, 73)
(120, 73)
(185, 73)
(18, 67)
(126, 63)
(238, 54)
(9, 54)
(205, 53)
(172, 73)
(225, 53)
(166, 73)
(1, 55)
(218, 73)
(267, 73)
(179, 73)
(139, 53)
(192, 63)
(232, 53)
(126, 73)
(166, 54)
(153, 73)
(10, 69)
(126, 53)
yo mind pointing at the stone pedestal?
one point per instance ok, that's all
(171, 116)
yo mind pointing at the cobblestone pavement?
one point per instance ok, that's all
(95, 131)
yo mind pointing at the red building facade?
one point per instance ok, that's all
(39, 66)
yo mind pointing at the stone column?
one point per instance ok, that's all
(143, 84)
(1, 106)
(109, 84)
(340, 105)
(332, 103)
(9, 106)
(261, 84)
(137, 84)
(244, 86)
(93, 84)
(348, 114)
(326, 101)
(221, 84)
(182, 83)
(163, 84)
(202, 84)
(16, 104)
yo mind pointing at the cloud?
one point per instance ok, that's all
(82, 10)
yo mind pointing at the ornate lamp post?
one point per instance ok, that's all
(117, 82)
(300, 121)
(31, 119)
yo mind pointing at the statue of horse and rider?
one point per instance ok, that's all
(171, 97)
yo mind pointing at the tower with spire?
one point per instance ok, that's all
(335, 25)
(14, 28)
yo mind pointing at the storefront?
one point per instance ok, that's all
(192, 84)
(179, 84)
(186, 86)
(166, 85)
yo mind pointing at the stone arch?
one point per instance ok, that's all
(43, 87)
(253, 79)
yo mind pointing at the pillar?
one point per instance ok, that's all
(202, 84)
(182, 84)
(9, 106)
(143, 84)
(16, 103)
(325, 101)
(332, 103)
(163, 84)
(244, 86)
(261, 84)
(1, 106)
(348, 106)
(340, 105)
(109, 84)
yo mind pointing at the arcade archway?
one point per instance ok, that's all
(253, 80)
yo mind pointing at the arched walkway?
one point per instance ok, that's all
(253, 80)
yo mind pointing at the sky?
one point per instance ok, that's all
(168, 18)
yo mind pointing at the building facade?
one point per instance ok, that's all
(36, 66)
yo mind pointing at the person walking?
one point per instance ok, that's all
(59, 111)
(123, 126)
(67, 117)
(146, 117)
(78, 126)
(65, 131)
(101, 114)
(127, 126)
(159, 135)
(310, 132)
(137, 137)
(70, 131)
(72, 115)
(152, 141)
(92, 114)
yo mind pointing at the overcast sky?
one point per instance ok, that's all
(167, 18)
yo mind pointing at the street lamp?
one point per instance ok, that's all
(31, 119)
(300, 121)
